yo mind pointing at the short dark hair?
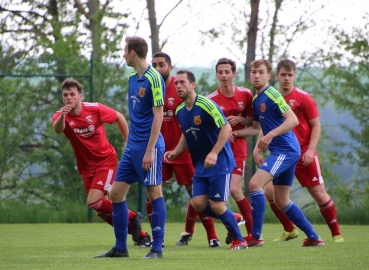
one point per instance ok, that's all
(287, 64)
(224, 61)
(260, 62)
(190, 75)
(137, 44)
(69, 83)
(164, 55)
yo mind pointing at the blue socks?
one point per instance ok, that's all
(295, 214)
(158, 218)
(120, 223)
(258, 210)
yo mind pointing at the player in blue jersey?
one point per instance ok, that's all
(276, 120)
(205, 132)
(142, 158)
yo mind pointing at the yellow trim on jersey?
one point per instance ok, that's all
(207, 105)
(277, 98)
(156, 86)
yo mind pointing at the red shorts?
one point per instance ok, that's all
(239, 149)
(183, 173)
(102, 180)
(310, 175)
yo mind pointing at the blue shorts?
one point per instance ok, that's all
(130, 167)
(216, 187)
(282, 166)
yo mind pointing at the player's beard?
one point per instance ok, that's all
(165, 75)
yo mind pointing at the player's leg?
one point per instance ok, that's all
(311, 178)
(152, 180)
(290, 232)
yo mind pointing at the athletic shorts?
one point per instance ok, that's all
(183, 173)
(310, 175)
(282, 166)
(130, 167)
(239, 149)
(102, 180)
(216, 187)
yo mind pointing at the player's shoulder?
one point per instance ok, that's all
(180, 107)
(90, 104)
(205, 101)
(298, 91)
(272, 93)
(242, 90)
(213, 95)
(132, 73)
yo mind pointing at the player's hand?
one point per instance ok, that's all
(234, 120)
(170, 155)
(233, 136)
(147, 160)
(258, 159)
(308, 157)
(210, 160)
(65, 110)
(265, 141)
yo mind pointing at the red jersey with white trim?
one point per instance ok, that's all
(87, 136)
(240, 104)
(170, 128)
(305, 109)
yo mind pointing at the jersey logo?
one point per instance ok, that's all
(194, 134)
(89, 119)
(197, 120)
(240, 105)
(141, 92)
(170, 101)
(263, 107)
(72, 123)
(292, 102)
(217, 195)
(222, 108)
(315, 179)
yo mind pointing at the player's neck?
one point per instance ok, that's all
(190, 100)
(77, 110)
(261, 89)
(140, 66)
(168, 80)
(227, 90)
(287, 91)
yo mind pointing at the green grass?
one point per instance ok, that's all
(72, 246)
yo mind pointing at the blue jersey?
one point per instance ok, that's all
(143, 94)
(268, 108)
(201, 126)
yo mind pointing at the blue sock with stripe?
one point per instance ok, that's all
(158, 218)
(258, 210)
(295, 214)
(231, 225)
(120, 223)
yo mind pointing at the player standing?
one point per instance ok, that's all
(205, 132)
(182, 165)
(142, 158)
(308, 167)
(83, 124)
(236, 104)
(276, 120)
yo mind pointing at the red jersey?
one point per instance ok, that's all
(305, 109)
(170, 128)
(240, 104)
(87, 135)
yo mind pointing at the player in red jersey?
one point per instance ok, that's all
(308, 167)
(236, 104)
(83, 124)
(182, 165)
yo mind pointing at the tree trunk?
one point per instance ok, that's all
(251, 37)
(154, 28)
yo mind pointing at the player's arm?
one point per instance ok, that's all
(59, 124)
(244, 121)
(257, 151)
(249, 131)
(154, 135)
(308, 156)
(289, 123)
(180, 147)
(122, 125)
(212, 157)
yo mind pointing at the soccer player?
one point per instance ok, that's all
(83, 124)
(308, 167)
(205, 132)
(277, 120)
(236, 104)
(182, 165)
(142, 158)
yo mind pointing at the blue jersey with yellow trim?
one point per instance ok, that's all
(143, 94)
(268, 108)
(201, 126)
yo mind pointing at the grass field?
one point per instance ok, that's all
(72, 246)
